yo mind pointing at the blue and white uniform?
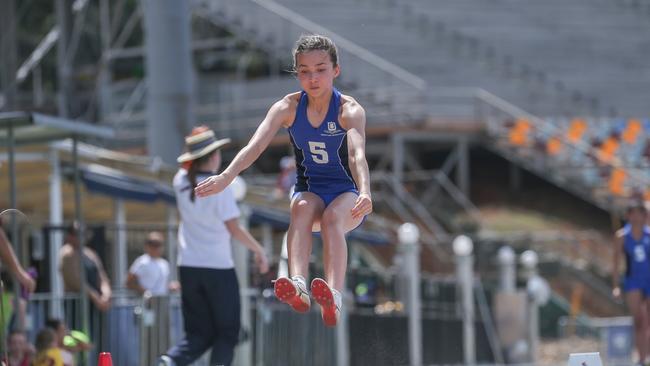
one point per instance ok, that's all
(637, 260)
(321, 153)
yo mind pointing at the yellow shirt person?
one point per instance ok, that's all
(47, 352)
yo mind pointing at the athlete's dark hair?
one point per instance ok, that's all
(636, 206)
(193, 171)
(314, 42)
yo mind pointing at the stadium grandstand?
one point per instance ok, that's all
(523, 127)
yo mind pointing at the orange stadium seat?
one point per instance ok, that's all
(617, 182)
(608, 149)
(576, 130)
(553, 146)
(632, 131)
(519, 132)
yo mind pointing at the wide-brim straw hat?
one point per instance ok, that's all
(200, 145)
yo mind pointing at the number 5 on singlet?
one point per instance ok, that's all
(318, 152)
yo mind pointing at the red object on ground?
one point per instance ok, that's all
(105, 359)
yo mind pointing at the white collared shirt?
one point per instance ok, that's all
(203, 238)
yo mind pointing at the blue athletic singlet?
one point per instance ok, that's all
(321, 153)
(637, 260)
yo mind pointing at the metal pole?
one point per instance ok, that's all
(267, 239)
(170, 76)
(463, 171)
(56, 235)
(507, 276)
(63, 15)
(398, 164)
(14, 224)
(83, 297)
(408, 235)
(529, 261)
(8, 52)
(105, 64)
(283, 263)
(120, 266)
(244, 349)
(342, 343)
(463, 248)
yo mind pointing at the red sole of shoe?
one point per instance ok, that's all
(286, 292)
(325, 298)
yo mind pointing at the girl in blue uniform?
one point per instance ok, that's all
(332, 193)
(633, 241)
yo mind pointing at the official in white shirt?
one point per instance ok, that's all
(209, 287)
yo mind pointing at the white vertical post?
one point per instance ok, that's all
(342, 343)
(56, 235)
(283, 265)
(529, 260)
(244, 353)
(120, 267)
(463, 248)
(408, 235)
(267, 239)
(507, 269)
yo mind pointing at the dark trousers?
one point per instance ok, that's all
(211, 315)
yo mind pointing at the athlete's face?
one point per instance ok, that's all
(316, 72)
(636, 217)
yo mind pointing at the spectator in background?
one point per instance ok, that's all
(150, 271)
(286, 178)
(47, 351)
(19, 351)
(632, 242)
(98, 286)
(60, 330)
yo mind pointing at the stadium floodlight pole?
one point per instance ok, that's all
(507, 269)
(408, 235)
(240, 252)
(463, 248)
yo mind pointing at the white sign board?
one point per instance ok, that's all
(585, 359)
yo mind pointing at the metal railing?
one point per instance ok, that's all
(136, 329)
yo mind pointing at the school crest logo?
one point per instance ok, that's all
(332, 130)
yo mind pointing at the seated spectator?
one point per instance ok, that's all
(150, 271)
(19, 351)
(47, 351)
(60, 329)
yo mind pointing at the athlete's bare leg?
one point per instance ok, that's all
(306, 208)
(636, 305)
(335, 223)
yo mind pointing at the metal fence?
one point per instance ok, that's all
(136, 330)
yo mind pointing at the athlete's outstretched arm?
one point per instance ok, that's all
(354, 118)
(275, 118)
(618, 249)
(9, 259)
